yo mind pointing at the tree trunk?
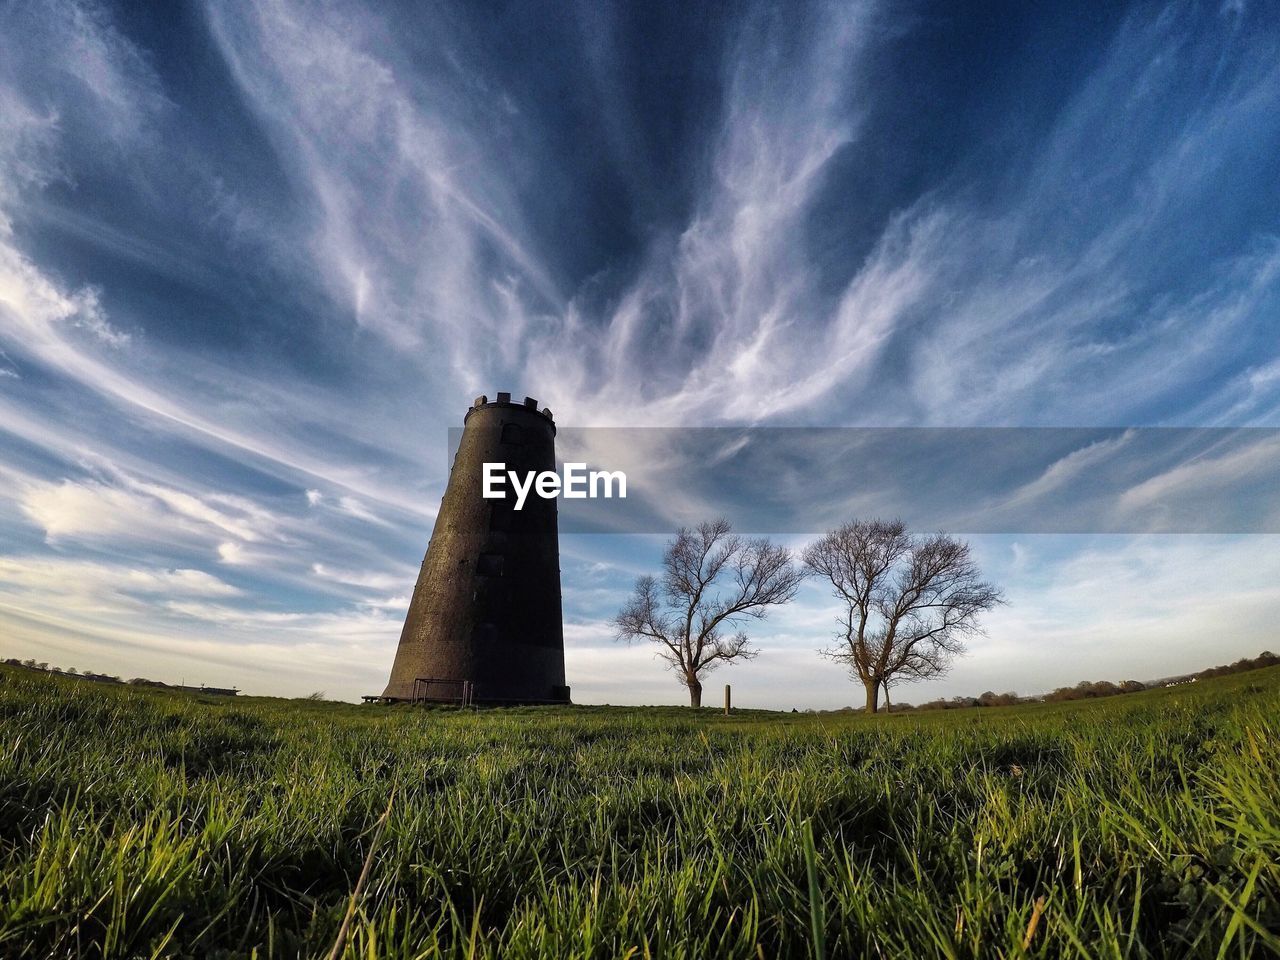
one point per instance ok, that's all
(873, 694)
(695, 692)
(888, 708)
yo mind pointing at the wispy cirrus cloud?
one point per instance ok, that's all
(47, 576)
(121, 506)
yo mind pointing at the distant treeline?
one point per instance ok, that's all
(1084, 690)
(109, 678)
(79, 674)
(1087, 689)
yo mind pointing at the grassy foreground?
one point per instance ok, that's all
(145, 823)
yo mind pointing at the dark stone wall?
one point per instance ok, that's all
(486, 607)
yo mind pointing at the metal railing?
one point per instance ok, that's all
(433, 690)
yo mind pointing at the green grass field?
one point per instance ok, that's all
(145, 823)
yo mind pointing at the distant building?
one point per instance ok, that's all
(214, 691)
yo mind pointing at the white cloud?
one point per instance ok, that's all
(174, 623)
(354, 508)
(363, 578)
(397, 606)
(1206, 475)
(130, 508)
(1067, 468)
(34, 318)
(70, 509)
(70, 53)
(52, 578)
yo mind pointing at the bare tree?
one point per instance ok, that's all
(909, 600)
(712, 581)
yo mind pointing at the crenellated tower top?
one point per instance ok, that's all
(504, 400)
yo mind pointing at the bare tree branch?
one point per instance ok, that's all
(909, 601)
(712, 581)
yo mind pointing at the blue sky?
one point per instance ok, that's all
(257, 258)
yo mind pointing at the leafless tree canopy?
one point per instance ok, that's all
(712, 581)
(909, 600)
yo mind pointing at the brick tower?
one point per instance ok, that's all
(486, 608)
